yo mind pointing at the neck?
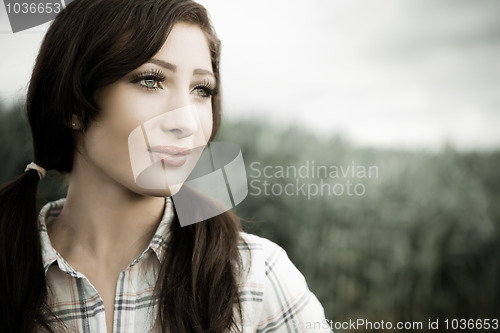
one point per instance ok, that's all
(103, 222)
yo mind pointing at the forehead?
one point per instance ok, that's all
(186, 45)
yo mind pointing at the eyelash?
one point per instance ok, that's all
(208, 86)
(159, 77)
(155, 75)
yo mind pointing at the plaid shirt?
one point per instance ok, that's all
(274, 294)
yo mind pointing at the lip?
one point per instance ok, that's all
(171, 155)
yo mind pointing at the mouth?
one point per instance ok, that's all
(170, 155)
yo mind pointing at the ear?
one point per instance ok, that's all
(75, 123)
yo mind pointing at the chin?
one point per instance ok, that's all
(172, 190)
(156, 193)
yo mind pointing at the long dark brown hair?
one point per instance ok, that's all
(90, 44)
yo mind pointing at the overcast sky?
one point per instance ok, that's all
(387, 73)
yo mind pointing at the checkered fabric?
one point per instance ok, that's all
(274, 294)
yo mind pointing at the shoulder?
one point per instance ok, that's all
(258, 246)
(263, 259)
(260, 256)
(265, 262)
(274, 293)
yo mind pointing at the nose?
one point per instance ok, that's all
(181, 122)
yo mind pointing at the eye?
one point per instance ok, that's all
(205, 89)
(149, 83)
(150, 80)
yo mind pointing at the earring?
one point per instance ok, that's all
(73, 124)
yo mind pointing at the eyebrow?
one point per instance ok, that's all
(163, 64)
(199, 71)
(173, 68)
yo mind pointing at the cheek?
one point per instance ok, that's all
(205, 119)
(105, 144)
(106, 141)
(207, 124)
(122, 108)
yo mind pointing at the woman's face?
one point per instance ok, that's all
(154, 122)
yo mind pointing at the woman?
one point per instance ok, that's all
(112, 257)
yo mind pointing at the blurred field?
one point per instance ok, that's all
(421, 243)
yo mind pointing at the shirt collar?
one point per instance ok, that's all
(51, 210)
